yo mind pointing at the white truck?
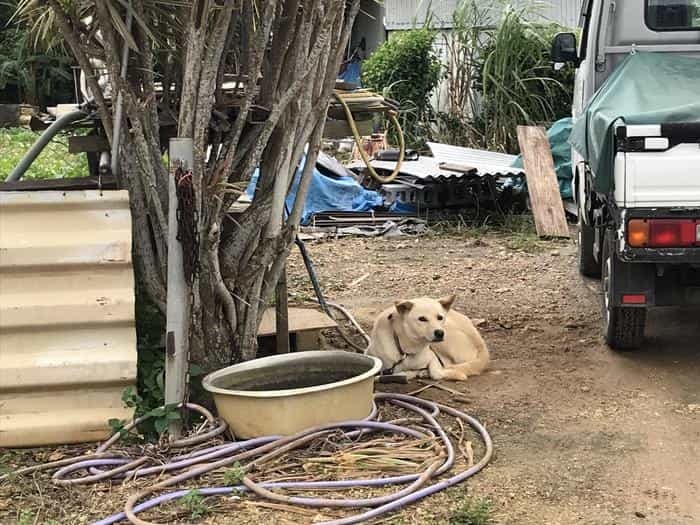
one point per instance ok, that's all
(636, 156)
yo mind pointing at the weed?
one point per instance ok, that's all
(26, 517)
(472, 512)
(234, 475)
(149, 397)
(193, 501)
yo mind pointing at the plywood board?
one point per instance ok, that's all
(542, 185)
(300, 319)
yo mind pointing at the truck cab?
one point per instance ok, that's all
(636, 155)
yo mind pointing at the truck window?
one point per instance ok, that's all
(673, 15)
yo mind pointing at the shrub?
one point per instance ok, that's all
(405, 68)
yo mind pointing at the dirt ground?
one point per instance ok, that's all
(582, 435)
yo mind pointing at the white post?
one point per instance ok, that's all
(176, 343)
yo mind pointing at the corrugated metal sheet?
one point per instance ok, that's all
(485, 162)
(427, 169)
(405, 14)
(67, 334)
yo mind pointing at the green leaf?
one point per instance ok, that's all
(161, 425)
(196, 370)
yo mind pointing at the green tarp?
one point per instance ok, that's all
(646, 88)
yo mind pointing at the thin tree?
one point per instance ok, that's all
(249, 81)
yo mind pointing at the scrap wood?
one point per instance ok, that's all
(542, 185)
(459, 168)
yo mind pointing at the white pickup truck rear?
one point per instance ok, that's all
(656, 171)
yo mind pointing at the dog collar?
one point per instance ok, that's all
(390, 371)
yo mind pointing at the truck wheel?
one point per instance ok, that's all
(624, 325)
(587, 264)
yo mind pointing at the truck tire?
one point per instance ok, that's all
(587, 264)
(623, 325)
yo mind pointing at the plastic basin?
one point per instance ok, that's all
(284, 394)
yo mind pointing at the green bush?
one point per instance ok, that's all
(53, 163)
(406, 69)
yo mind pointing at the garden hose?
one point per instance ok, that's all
(341, 98)
(249, 456)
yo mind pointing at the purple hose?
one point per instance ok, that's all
(428, 410)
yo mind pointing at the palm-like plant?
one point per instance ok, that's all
(249, 82)
(36, 67)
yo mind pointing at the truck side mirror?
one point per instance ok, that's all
(564, 49)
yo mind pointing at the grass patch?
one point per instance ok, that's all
(193, 501)
(518, 229)
(472, 512)
(53, 163)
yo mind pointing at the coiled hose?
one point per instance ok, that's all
(391, 114)
(102, 465)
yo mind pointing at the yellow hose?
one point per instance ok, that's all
(363, 153)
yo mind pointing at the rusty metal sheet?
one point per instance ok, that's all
(67, 327)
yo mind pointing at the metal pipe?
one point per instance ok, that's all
(49, 133)
(119, 107)
(103, 166)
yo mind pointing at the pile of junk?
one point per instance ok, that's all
(395, 191)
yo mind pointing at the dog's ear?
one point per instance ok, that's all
(403, 307)
(447, 302)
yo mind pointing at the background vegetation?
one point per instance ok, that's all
(53, 163)
(34, 67)
(406, 69)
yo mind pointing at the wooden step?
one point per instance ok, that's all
(300, 320)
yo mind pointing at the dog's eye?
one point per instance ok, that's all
(440, 318)
(423, 319)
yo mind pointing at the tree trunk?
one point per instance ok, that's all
(287, 54)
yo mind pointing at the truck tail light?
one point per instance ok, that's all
(663, 233)
(638, 233)
(634, 299)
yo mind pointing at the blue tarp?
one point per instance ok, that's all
(558, 136)
(352, 74)
(340, 193)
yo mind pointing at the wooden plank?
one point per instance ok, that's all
(79, 183)
(542, 186)
(299, 319)
(459, 168)
(87, 143)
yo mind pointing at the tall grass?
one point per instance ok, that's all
(516, 82)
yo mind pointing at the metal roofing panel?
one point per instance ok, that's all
(67, 334)
(406, 14)
(486, 162)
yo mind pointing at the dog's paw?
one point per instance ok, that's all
(454, 375)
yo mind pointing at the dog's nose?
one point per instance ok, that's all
(439, 334)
